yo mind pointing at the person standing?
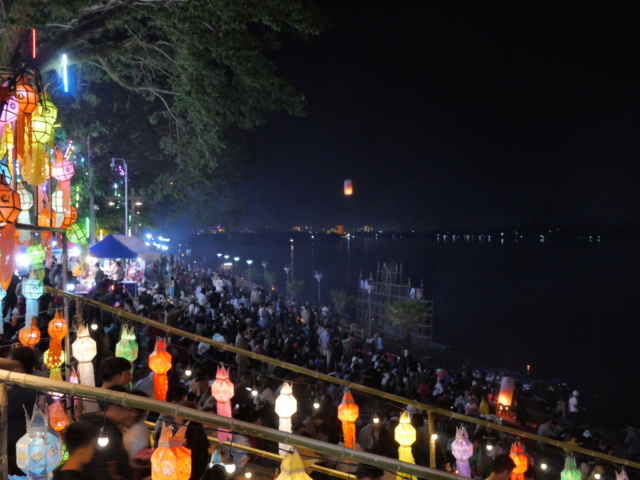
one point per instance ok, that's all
(242, 341)
(632, 442)
(574, 409)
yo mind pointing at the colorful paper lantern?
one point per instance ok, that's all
(4, 169)
(171, 460)
(223, 390)
(10, 109)
(76, 234)
(84, 349)
(127, 347)
(49, 111)
(520, 459)
(348, 412)
(32, 289)
(70, 217)
(160, 363)
(348, 188)
(570, 471)
(41, 129)
(622, 475)
(57, 416)
(286, 407)
(29, 335)
(47, 217)
(293, 467)
(9, 203)
(39, 451)
(405, 435)
(54, 359)
(36, 254)
(27, 98)
(58, 327)
(62, 169)
(462, 449)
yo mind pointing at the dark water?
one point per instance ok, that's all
(570, 310)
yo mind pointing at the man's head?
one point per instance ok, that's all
(502, 467)
(80, 439)
(177, 394)
(366, 472)
(25, 357)
(115, 371)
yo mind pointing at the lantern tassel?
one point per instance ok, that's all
(7, 259)
(160, 386)
(464, 469)
(405, 455)
(224, 410)
(349, 432)
(87, 376)
(284, 426)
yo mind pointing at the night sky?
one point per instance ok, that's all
(457, 115)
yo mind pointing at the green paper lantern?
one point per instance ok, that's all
(570, 471)
(36, 254)
(77, 235)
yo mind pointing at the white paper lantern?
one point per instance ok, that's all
(286, 407)
(84, 349)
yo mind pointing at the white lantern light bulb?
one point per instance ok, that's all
(230, 467)
(489, 447)
(254, 392)
(316, 405)
(597, 476)
(188, 371)
(247, 474)
(103, 440)
(94, 326)
(543, 465)
(376, 418)
(434, 437)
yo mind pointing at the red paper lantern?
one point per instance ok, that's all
(9, 203)
(29, 335)
(160, 363)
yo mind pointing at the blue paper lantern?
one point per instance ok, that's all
(39, 451)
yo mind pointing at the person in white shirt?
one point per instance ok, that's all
(574, 408)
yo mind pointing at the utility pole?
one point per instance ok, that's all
(92, 202)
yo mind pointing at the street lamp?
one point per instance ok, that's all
(318, 276)
(125, 170)
(235, 259)
(287, 269)
(264, 265)
(219, 259)
(369, 285)
(249, 262)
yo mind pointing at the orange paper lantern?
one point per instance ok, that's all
(160, 363)
(47, 217)
(58, 327)
(348, 412)
(171, 460)
(70, 217)
(27, 98)
(9, 203)
(520, 459)
(29, 335)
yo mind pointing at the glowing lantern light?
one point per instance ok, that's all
(622, 475)
(48, 111)
(171, 460)
(222, 390)
(32, 289)
(286, 407)
(39, 451)
(70, 217)
(10, 109)
(520, 459)
(27, 98)
(54, 357)
(26, 197)
(62, 169)
(36, 255)
(57, 417)
(570, 471)
(127, 347)
(405, 436)
(47, 217)
(29, 335)
(348, 188)
(58, 327)
(9, 203)
(41, 130)
(75, 234)
(462, 450)
(348, 412)
(293, 467)
(160, 363)
(84, 349)
(505, 397)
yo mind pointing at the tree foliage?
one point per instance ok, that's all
(407, 314)
(176, 82)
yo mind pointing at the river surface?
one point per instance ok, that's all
(570, 310)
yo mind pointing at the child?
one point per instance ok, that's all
(80, 438)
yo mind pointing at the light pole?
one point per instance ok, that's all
(220, 260)
(235, 259)
(287, 269)
(369, 285)
(249, 262)
(264, 265)
(125, 171)
(318, 276)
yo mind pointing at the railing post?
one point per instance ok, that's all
(432, 440)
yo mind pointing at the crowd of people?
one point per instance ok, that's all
(216, 305)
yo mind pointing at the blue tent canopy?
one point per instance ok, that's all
(110, 247)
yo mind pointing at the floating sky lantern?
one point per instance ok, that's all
(160, 363)
(171, 460)
(39, 451)
(462, 449)
(348, 412)
(405, 435)
(505, 397)
(520, 459)
(84, 349)
(286, 407)
(222, 390)
(348, 188)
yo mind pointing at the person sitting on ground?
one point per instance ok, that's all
(115, 371)
(80, 439)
